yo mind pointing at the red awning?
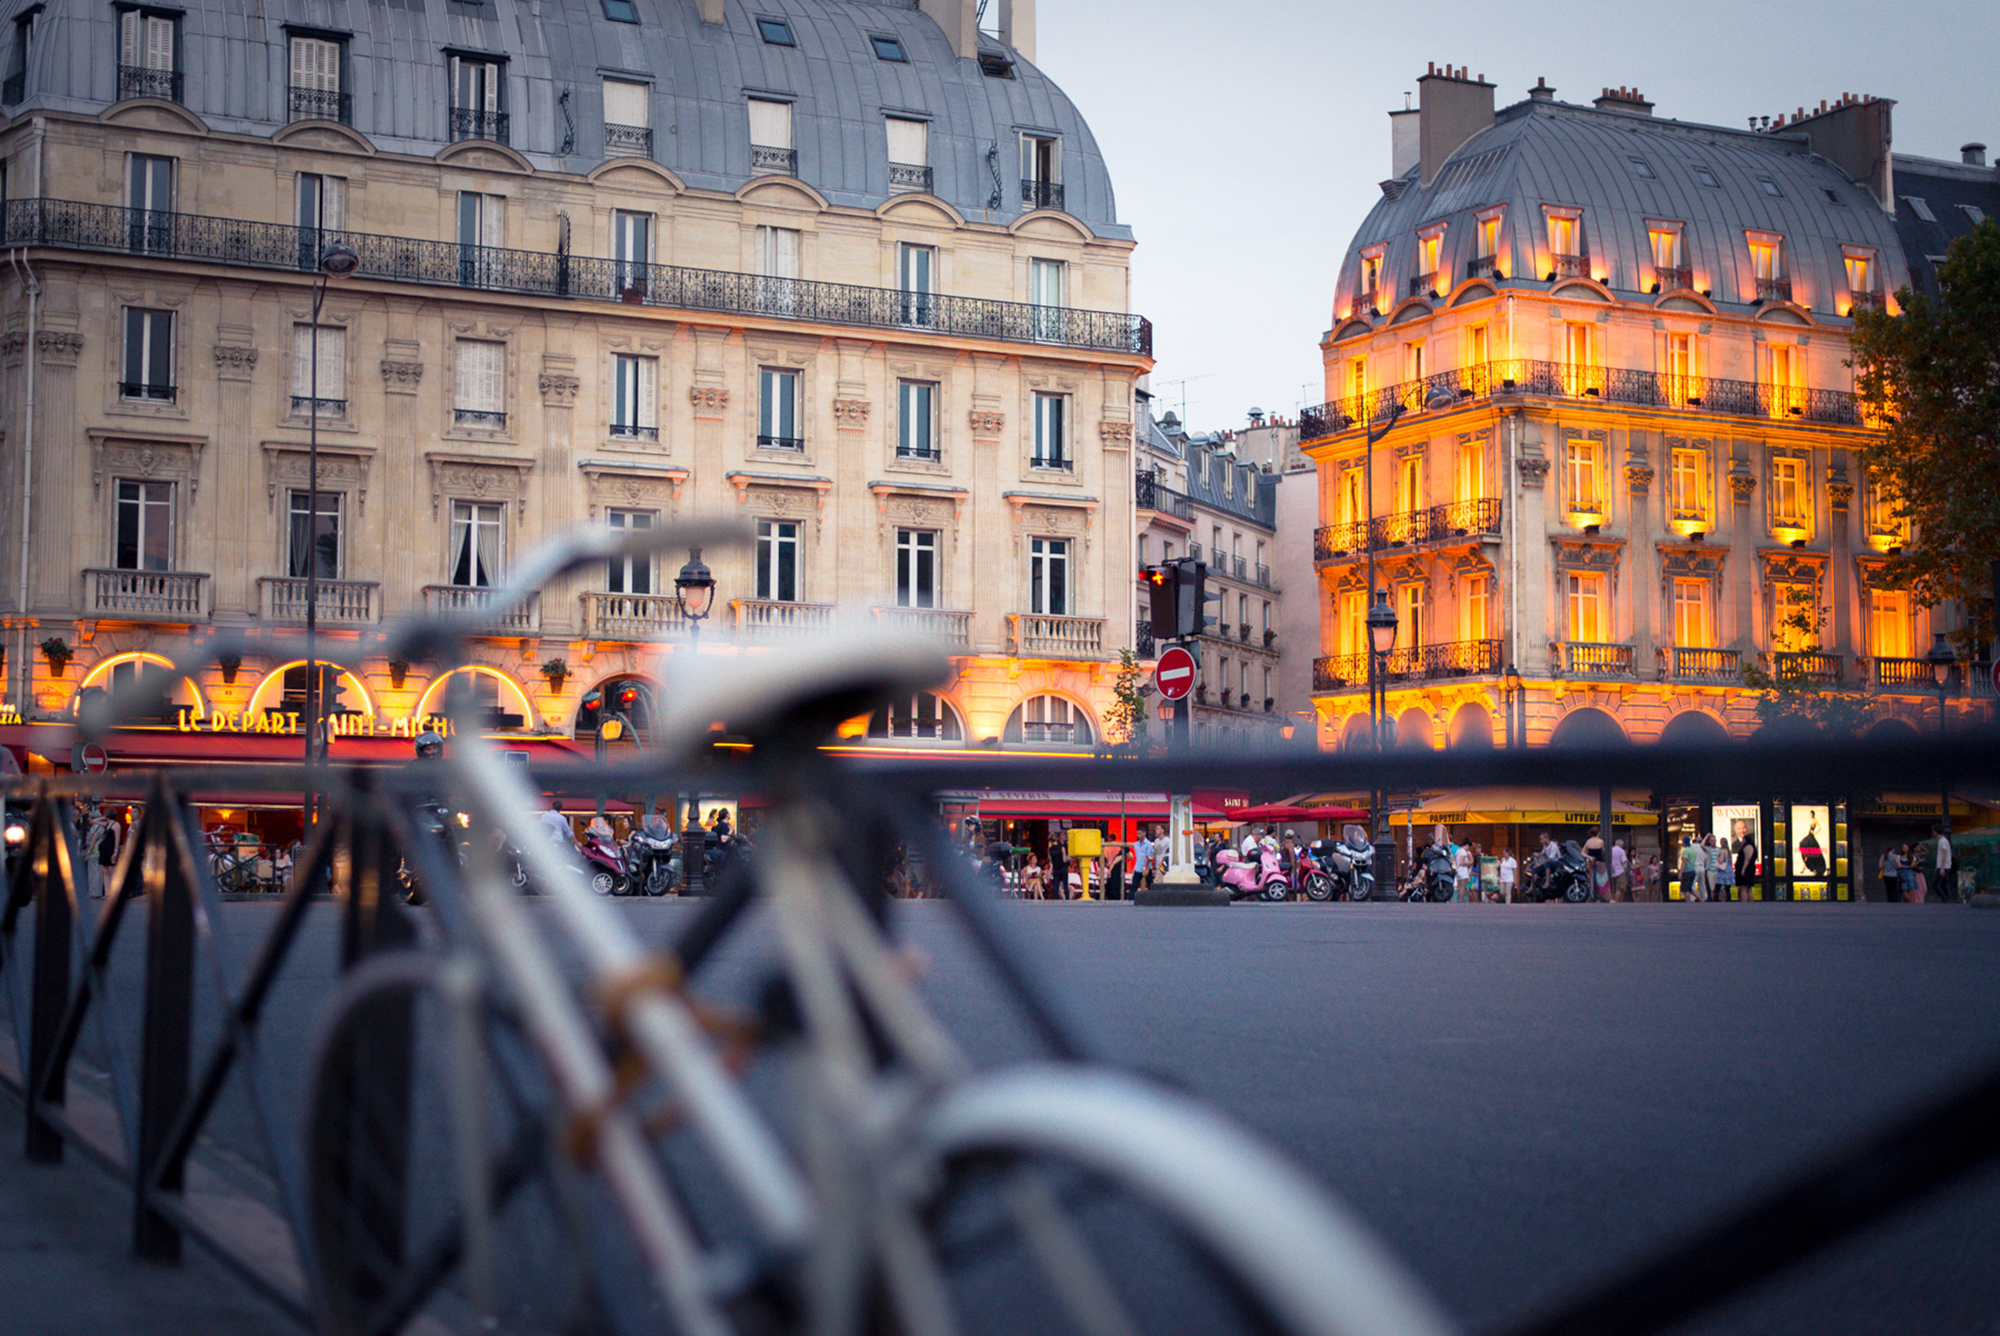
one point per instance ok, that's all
(1084, 806)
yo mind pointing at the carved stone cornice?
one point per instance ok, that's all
(235, 361)
(401, 377)
(478, 477)
(850, 413)
(58, 346)
(559, 391)
(1742, 482)
(12, 345)
(986, 422)
(1639, 477)
(708, 398)
(1840, 494)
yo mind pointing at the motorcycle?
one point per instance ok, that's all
(435, 820)
(604, 864)
(1340, 867)
(1565, 877)
(1264, 879)
(652, 857)
(1434, 877)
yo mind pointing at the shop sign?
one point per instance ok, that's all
(9, 715)
(1901, 809)
(286, 722)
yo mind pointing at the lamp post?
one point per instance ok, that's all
(1942, 661)
(1381, 639)
(696, 587)
(1512, 692)
(336, 260)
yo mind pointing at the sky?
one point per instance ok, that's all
(1245, 139)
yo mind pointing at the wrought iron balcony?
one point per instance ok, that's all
(282, 598)
(781, 442)
(457, 600)
(146, 596)
(1042, 194)
(909, 176)
(1143, 644)
(322, 104)
(304, 405)
(929, 454)
(72, 225)
(941, 624)
(1580, 658)
(1684, 663)
(628, 141)
(469, 124)
(159, 394)
(485, 419)
(762, 617)
(1803, 666)
(1484, 266)
(14, 89)
(1426, 285)
(145, 81)
(1149, 492)
(1417, 663)
(1263, 575)
(1451, 522)
(626, 431)
(768, 161)
(1774, 289)
(632, 617)
(1063, 735)
(1569, 266)
(1035, 635)
(1669, 279)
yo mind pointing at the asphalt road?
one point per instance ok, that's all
(1520, 1099)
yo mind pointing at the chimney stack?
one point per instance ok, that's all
(960, 21)
(1017, 27)
(1622, 98)
(1973, 155)
(1854, 135)
(1451, 108)
(1541, 92)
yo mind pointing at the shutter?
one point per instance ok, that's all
(908, 141)
(492, 389)
(159, 44)
(787, 253)
(332, 363)
(305, 70)
(480, 366)
(333, 202)
(625, 103)
(649, 392)
(129, 48)
(301, 361)
(491, 212)
(770, 123)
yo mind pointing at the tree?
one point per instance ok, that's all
(1128, 718)
(1930, 375)
(1789, 693)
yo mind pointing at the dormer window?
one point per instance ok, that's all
(1767, 266)
(1770, 187)
(889, 48)
(1668, 244)
(1566, 254)
(1864, 281)
(1430, 250)
(1370, 281)
(1486, 245)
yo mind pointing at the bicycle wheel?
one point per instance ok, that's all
(424, 1110)
(1076, 1200)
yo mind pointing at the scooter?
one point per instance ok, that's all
(1236, 876)
(1566, 877)
(650, 857)
(1340, 867)
(604, 864)
(1435, 877)
(1273, 881)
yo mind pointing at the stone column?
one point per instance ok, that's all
(1646, 610)
(407, 533)
(63, 538)
(552, 486)
(241, 550)
(999, 583)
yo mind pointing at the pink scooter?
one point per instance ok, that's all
(1265, 879)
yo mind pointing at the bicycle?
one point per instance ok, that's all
(821, 1156)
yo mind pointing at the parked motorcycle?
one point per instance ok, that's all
(1342, 867)
(1566, 877)
(1434, 878)
(1264, 879)
(652, 857)
(437, 821)
(604, 864)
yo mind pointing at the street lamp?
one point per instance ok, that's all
(1512, 692)
(1942, 662)
(1381, 640)
(336, 260)
(696, 587)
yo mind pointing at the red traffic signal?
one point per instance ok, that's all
(628, 696)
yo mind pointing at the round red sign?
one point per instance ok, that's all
(1174, 675)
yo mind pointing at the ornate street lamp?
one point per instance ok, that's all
(696, 587)
(1381, 639)
(1943, 662)
(337, 260)
(1511, 691)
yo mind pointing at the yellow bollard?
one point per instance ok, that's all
(1085, 844)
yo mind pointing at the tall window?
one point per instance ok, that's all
(1410, 598)
(144, 532)
(329, 397)
(1767, 258)
(1689, 491)
(1787, 387)
(1585, 600)
(778, 560)
(1474, 601)
(777, 257)
(916, 420)
(1045, 291)
(1413, 369)
(17, 60)
(148, 364)
(1049, 719)
(630, 574)
(1350, 622)
(1357, 378)
(1041, 172)
(1795, 620)
(476, 543)
(916, 277)
(316, 93)
(1478, 348)
(1681, 387)
(1861, 280)
(627, 116)
(481, 220)
(1565, 238)
(479, 374)
(1488, 237)
(1668, 252)
(478, 99)
(631, 251)
(148, 56)
(150, 195)
(778, 410)
(1472, 471)
(1579, 370)
(1410, 483)
(1051, 432)
(635, 397)
(302, 535)
(909, 154)
(1586, 475)
(1430, 249)
(1788, 503)
(1048, 576)
(1692, 626)
(1888, 624)
(916, 568)
(1349, 505)
(771, 138)
(1371, 274)
(322, 208)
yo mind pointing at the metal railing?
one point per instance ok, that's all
(145, 81)
(946, 625)
(1263, 575)
(1042, 194)
(487, 419)
(1649, 389)
(635, 617)
(628, 140)
(1036, 635)
(306, 406)
(1803, 666)
(776, 617)
(626, 431)
(132, 389)
(1667, 278)
(1149, 492)
(322, 104)
(909, 176)
(1686, 663)
(1774, 289)
(1416, 663)
(73, 225)
(151, 596)
(1483, 266)
(1450, 522)
(467, 123)
(768, 161)
(342, 602)
(1569, 266)
(453, 600)
(1143, 643)
(1426, 285)
(1581, 658)
(781, 442)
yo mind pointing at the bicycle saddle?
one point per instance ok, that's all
(795, 696)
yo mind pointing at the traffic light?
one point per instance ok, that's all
(590, 711)
(627, 696)
(1163, 595)
(1193, 598)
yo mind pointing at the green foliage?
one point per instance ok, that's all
(1128, 720)
(1789, 695)
(1930, 376)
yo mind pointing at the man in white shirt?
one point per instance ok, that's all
(1142, 858)
(1621, 888)
(1252, 841)
(1947, 869)
(1508, 869)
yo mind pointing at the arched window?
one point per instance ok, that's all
(925, 717)
(1050, 720)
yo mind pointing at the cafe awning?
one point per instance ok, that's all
(1527, 805)
(1077, 806)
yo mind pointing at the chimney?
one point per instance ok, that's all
(1403, 140)
(1017, 27)
(1972, 155)
(1451, 108)
(960, 21)
(1854, 135)
(1622, 98)
(711, 11)
(1541, 92)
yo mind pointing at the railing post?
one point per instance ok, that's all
(53, 850)
(167, 1041)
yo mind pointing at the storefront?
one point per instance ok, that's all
(1799, 845)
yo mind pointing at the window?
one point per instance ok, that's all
(1770, 187)
(1243, 613)
(475, 543)
(309, 545)
(479, 384)
(916, 568)
(1788, 489)
(1413, 368)
(1045, 290)
(909, 153)
(1041, 172)
(1049, 719)
(778, 252)
(1586, 494)
(329, 397)
(1692, 628)
(1919, 207)
(1475, 598)
(1478, 348)
(994, 65)
(1787, 380)
(916, 270)
(322, 208)
(478, 99)
(1860, 271)
(771, 138)
(144, 537)
(316, 92)
(775, 32)
(1410, 612)
(1665, 240)
(1706, 177)
(1585, 605)
(149, 356)
(630, 574)
(1579, 369)
(1051, 438)
(1472, 471)
(926, 716)
(916, 420)
(635, 398)
(1371, 273)
(1681, 385)
(1889, 624)
(1766, 257)
(1048, 576)
(150, 195)
(1688, 491)
(1487, 237)
(1430, 249)
(148, 55)
(1565, 235)
(778, 561)
(1640, 167)
(627, 116)
(631, 252)
(1349, 506)
(481, 220)
(1795, 621)
(888, 48)
(1350, 630)
(621, 11)
(778, 410)
(1410, 483)
(1266, 623)
(17, 61)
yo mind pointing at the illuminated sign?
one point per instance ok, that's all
(9, 715)
(286, 722)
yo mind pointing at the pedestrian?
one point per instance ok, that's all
(1142, 858)
(1722, 869)
(1508, 870)
(1621, 871)
(1690, 870)
(1745, 858)
(1920, 884)
(1885, 868)
(1946, 865)
(1252, 839)
(1906, 875)
(1595, 865)
(1461, 872)
(1114, 876)
(1032, 884)
(95, 831)
(1655, 872)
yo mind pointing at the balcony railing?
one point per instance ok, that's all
(1042, 194)
(1902, 673)
(628, 141)
(71, 225)
(144, 81)
(941, 624)
(1411, 528)
(1150, 493)
(1569, 266)
(1143, 644)
(909, 176)
(1683, 663)
(1578, 658)
(1263, 575)
(1071, 734)
(781, 442)
(1669, 279)
(765, 617)
(1484, 266)
(1864, 301)
(626, 431)
(768, 161)
(1365, 305)
(1426, 285)
(467, 123)
(635, 617)
(1035, 635)
(322, 104)
(151, 596)
(159, 394)
(485, 419)
(1417, 663)
(1774, 289)
(304, 405)
(1650, 389)
(282, 598)
(1804, 666)
(458, 600)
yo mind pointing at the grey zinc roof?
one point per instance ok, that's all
(1552, 153)
(1945, 189)
(234, 55)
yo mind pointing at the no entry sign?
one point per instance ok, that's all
(1174, 674)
